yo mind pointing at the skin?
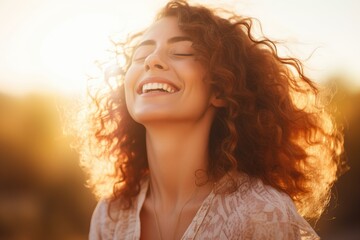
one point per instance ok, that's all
(177, 126)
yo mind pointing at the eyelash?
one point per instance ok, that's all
(183, 54)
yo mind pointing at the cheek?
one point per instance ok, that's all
(129, 87)
(196, 70)
(130, 80)
(200, 84)
(196, 76)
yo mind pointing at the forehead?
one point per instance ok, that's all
(163, 28)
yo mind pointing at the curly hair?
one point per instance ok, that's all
(274, 126)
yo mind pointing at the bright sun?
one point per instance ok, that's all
(52, 46)
(68, 51)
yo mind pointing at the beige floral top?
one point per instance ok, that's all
(253, 211)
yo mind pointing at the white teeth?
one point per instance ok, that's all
(147, 87)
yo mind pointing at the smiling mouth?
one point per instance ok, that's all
(157, 87)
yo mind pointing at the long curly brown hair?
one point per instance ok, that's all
(274, 126)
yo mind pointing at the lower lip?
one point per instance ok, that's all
(154, 94)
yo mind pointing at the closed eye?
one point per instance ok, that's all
(183, 54)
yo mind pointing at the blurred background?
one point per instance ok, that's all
(48, 47)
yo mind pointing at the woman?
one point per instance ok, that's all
(208, 134)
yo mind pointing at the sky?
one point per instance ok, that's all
(50, 46)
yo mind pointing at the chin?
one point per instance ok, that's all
(153, 117)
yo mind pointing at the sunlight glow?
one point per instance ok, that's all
(52, 45)
(69, 50)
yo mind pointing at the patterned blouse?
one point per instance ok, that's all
(253, 211)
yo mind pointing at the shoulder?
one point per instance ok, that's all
(263, 212)
(110, 219)
(104, 219)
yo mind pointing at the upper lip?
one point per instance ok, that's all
(154, 80)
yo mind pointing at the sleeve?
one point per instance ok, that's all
(273, 218)
(279, 231)
(280, 222)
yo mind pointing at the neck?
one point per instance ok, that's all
(178, 160)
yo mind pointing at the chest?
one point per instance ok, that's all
(166, 225)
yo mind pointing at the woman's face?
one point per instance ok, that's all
(165, 82)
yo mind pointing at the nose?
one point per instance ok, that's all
(155, 62)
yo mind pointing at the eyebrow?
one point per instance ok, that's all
(169, 41)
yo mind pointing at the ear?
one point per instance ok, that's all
(217, 101)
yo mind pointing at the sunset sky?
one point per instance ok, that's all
(49, 46)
